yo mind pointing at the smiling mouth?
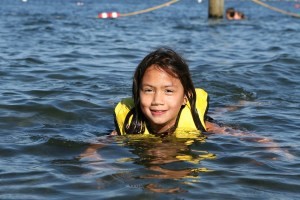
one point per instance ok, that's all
(157, 112)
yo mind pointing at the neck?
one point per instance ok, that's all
(161, 131)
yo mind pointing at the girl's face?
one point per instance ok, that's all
(161, 96)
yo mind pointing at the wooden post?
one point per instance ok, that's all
(215, 8)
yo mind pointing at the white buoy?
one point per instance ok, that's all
(80, 3)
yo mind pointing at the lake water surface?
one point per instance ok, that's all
(62, 71)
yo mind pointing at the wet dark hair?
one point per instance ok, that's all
(172, 63)
(230, 11)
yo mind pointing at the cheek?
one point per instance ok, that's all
(144, 101)
(177, 102)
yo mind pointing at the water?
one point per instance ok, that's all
(62, 71)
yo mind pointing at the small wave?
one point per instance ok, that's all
(31, 60)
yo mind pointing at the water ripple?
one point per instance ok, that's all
(62, 71)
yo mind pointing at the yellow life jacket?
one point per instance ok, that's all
(186, 127)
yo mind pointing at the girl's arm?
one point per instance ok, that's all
(271, 145)
(214, 128)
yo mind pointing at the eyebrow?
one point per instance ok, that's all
(164, 86)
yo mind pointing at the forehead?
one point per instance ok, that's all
(157, 75)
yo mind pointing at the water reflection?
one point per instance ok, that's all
(162, 158)
(167, 158)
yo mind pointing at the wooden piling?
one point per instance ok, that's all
(215, 8)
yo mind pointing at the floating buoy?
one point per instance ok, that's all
(106, 15)
(79, 3)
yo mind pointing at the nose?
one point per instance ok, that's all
(158, 98)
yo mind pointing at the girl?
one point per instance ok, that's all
(164, 101)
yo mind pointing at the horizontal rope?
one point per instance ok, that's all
(149, 9)
(276, 9)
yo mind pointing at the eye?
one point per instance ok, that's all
(169, 91)
(148, 90)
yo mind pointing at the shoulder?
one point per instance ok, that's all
(202, 99)
(121, 111)
(201, 93)
(124, 105)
